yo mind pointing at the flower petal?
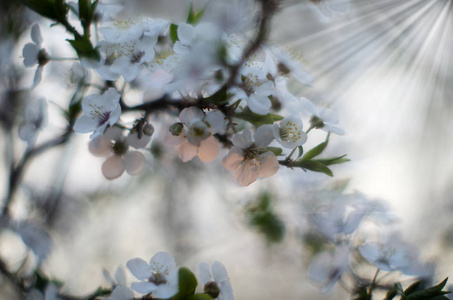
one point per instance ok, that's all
(263, 135)
(208, 150)
(122, 293)
(144, 287)
(189, 114)
(139, 268)
(269, 165)
(163, 261)
(134, 162)
(233, 159)
(30, 54)
(203, 272)
(226, 291)
(219, 273)
(113, 167)
(259, 104)
(36, 36)
(38, 76)
(247, 173)
(186, 151)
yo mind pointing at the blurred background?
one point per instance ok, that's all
(384, 66)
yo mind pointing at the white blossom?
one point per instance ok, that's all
(159, 277)
(326, 268)
(289, 132)
(219, 276)
(99, 111)
(34, 55)
(322, 117)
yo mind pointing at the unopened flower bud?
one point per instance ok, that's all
(212, 289)
(148, 130)
(176, 129)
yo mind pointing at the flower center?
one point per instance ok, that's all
(290, 132)
(157, 278)
(103, 118)
(251, 152)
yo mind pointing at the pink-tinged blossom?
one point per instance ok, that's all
(322, 117)
(195, 137)
(159, 277)
(215, 279)
(120, 158)
(34, 55)
(326, 268)
(99, 111)
(289, 132)
(249, 158)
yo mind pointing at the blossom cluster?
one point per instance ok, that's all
(160, 278)
(225, 98)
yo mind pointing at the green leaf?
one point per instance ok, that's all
(314, 166)
(277, 151)
(317, 149)
(429, 292)
(192, 17)
(45, 8)
(173, 32)
(84, 48)
(301, 151)
(333, 160)
(187, 284)
(257, 120)
(61, 9)
(391, 293)
(413, 287)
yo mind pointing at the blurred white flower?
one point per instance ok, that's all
(99, 111)
(33, 54)
(394, 254)
(322, 117)
(216, 281)
(288, 65)
(289, 132)
(249, 158)
(159, 277)
(195, 137)
(121, 293)
(35, 120)
(120, 277)
(327, 268)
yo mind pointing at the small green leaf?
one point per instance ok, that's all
(173, 32)
(84, 48)
(316, 150)
(413, 287)
(391, 293)
(333, 160)
(257, 120)
(429, 292)
(187, 284)
(192, 17)
(314, 166)
(45, 8)
(277, 151)
(301, 152)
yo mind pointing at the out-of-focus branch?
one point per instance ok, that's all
(17, 171)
